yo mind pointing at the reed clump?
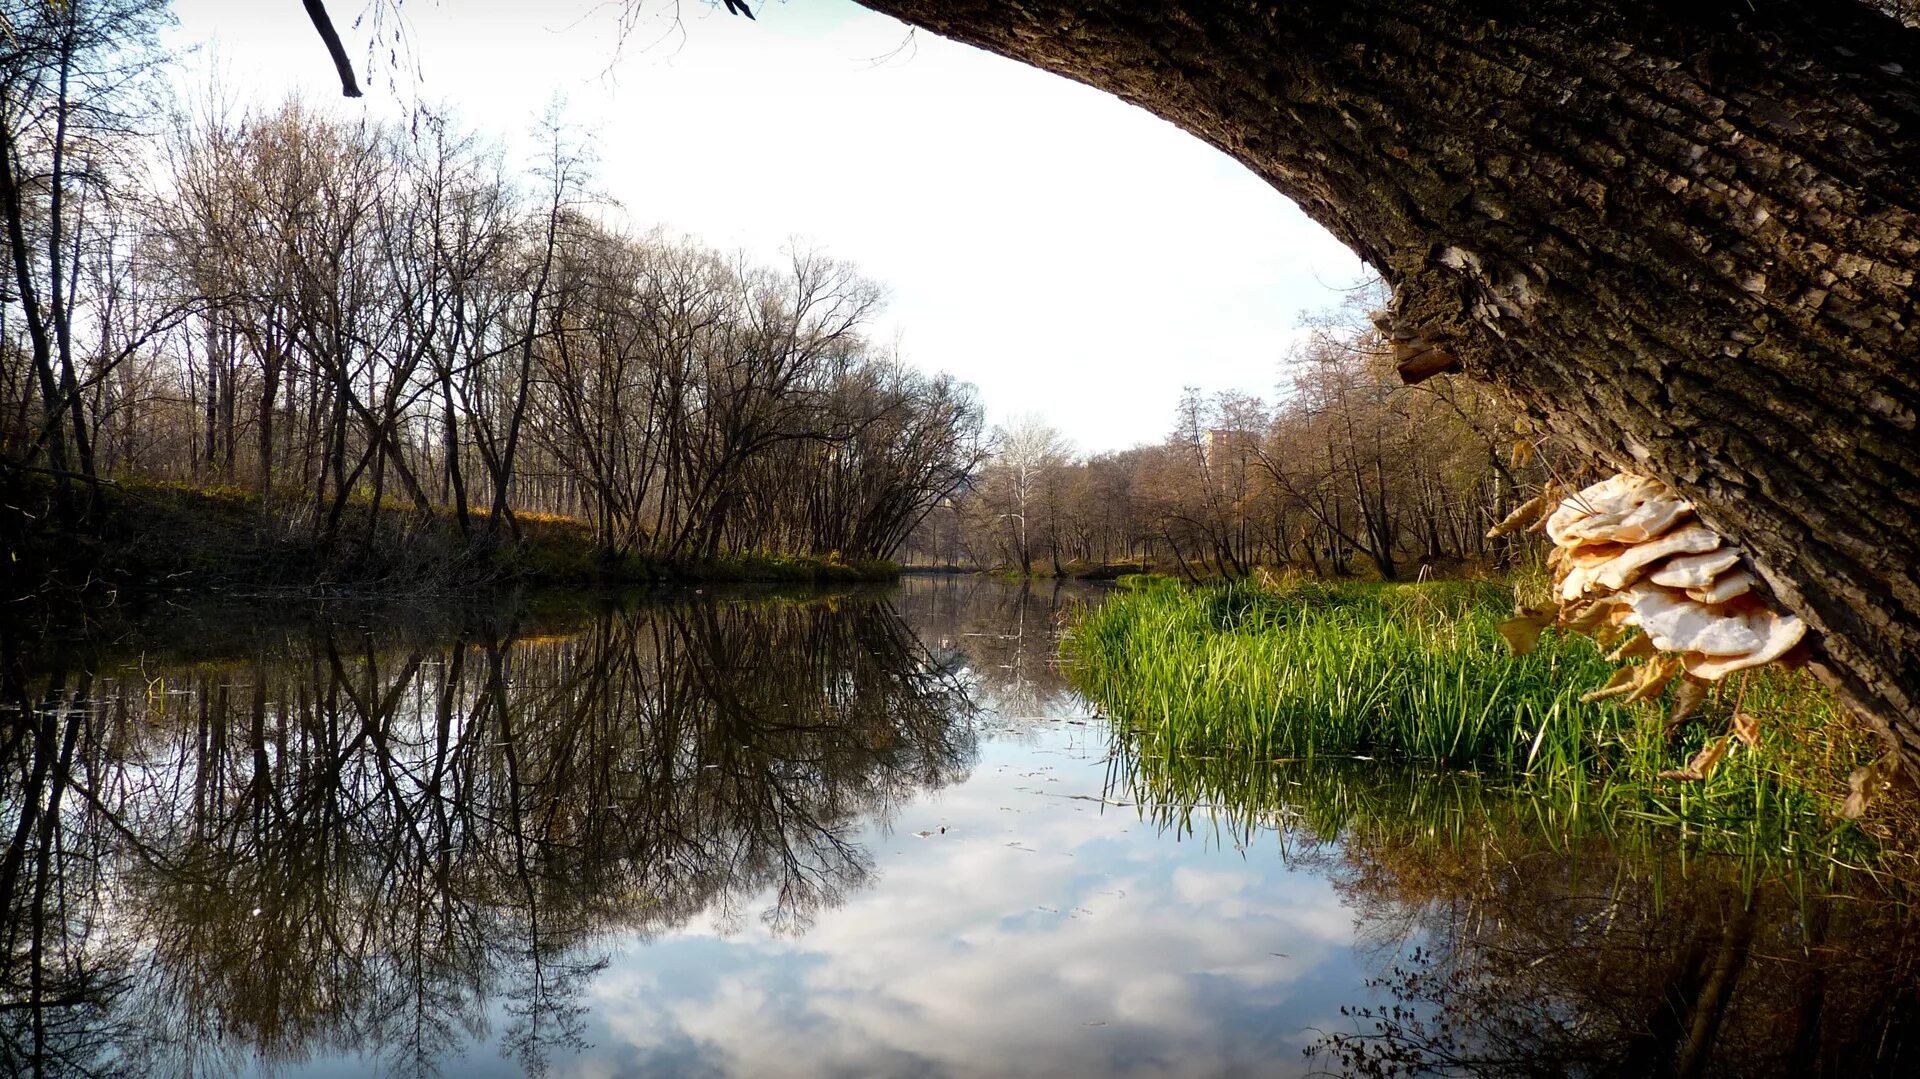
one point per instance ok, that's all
(1418, 674)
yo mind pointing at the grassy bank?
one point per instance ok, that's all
(163, 535)
(1072, 571)
(1418, 674)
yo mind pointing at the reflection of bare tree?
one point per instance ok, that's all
(1603, 965)
(61, 967)
(1009, 635)
(349, 844)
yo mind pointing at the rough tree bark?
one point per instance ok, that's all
(1682, 235)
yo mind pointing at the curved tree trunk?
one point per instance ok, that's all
(1683, 235)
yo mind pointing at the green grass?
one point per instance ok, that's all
(147, 533)
(1418, 674)
(773, 568)
(1413, 671)
(1381, 806)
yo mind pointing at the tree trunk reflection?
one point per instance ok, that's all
(1511, 936)
(354, 838)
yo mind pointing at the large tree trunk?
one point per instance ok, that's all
(1682, 234)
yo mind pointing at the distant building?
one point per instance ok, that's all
(1228, 446)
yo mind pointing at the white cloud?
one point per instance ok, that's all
(1137, 955)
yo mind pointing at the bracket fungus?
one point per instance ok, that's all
(1630, 553)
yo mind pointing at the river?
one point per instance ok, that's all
(874, 832)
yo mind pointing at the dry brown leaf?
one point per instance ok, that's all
(1746, 728)
(1640, 647)
(1867, 784)
(1521, 455)
(1709, 756)
(1658, 673)
(1702, 764)
(1553, 494)
(1623, 681)
(1527, 513)
(1586, 616)
(1606, 635)
(1687, 699)
(1862, 787)
(1522, 631)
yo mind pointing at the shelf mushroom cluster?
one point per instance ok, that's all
(1632, 546)
(1629, 553)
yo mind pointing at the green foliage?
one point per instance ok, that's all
(1418, 674)
(768, 567)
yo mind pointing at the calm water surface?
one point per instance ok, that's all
(856, 834)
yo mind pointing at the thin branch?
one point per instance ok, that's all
(317, 11)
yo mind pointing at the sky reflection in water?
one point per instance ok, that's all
(1043, 933)
(1046, 931)
(867, 834)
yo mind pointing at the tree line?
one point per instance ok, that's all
(1349, 471)
(346, 316)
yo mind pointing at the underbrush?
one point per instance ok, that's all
(1418, 674)
(145, 534)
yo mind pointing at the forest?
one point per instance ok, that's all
(349, 320)
(1349, 472)
(355, 323)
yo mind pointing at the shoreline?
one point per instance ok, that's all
(1416, 675)
(167, 538)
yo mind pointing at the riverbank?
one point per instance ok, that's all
(1074, 571)
(1418, 674)
(166, 536)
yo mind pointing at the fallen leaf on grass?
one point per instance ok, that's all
(1869, 783)
(1702, 764)
(1658, 673)
(1640, 647)
(1687, 699)
(1623, 681)
(1522, 632)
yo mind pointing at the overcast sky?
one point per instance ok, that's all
(1069, 254)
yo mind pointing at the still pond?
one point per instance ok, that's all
(744, 832)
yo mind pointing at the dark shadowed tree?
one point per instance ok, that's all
(72, 83)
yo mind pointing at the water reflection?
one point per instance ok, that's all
(1005, 635)
(341, 842)
(851, 834)
(1512, 937)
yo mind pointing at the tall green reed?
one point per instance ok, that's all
(1419, 674)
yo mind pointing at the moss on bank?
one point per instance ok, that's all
(1418, 673)
(166, 535)
(1074, 571)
